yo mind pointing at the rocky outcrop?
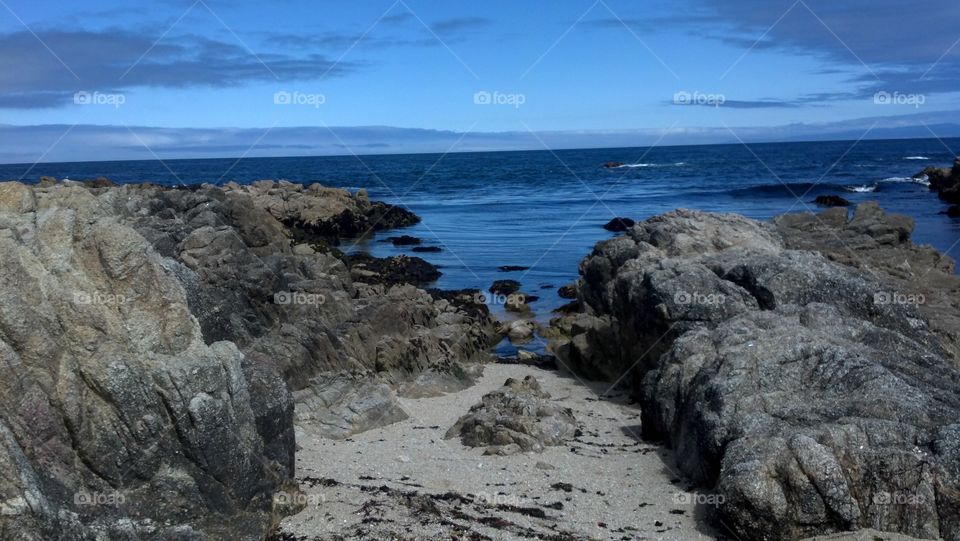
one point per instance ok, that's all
(155, 336)
(117, 419)
(813, 396)
(517, 417)
(878, 244)
(323, 212)
(945, 181)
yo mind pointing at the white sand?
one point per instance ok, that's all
(622, 486)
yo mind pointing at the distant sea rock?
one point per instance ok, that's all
(619, 225)
(831, 201)
(813, 393)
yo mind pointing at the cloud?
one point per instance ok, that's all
(114, 59)
(20, 144)
(459, 24)
(886, 44)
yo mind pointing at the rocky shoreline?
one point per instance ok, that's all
(185, 363)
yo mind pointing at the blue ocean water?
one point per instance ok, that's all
(544, 209)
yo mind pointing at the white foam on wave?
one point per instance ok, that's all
(923, 180)
(861, 189)
(678, 164)
(916, 158)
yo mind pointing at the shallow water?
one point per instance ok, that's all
(544, 210)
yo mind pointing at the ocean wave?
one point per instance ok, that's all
(631, 165)
(865, 188)
(916, 158)
(923, 180)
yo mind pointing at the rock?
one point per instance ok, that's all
(395, 270)
(611, 165)
(427, 249)
(944, 181)
(544, 466)
(337, 406)
(317, 211)
(954, 211)
(118, 419)
(512, 268)
(529, 358)
(831, 201)
(568, 291)
(879, 244)
(404, 240)
(517, 417)
(520, 330)
(149, 337)
(619, 225)
(505, 287)
(802, 390)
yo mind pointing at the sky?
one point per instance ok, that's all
(105, 80)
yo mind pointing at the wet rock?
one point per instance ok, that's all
(518, 417)
(395, 270)
(568, 291)
(619, 225)
(793, 385)
(404, 240)
(512, 268)
(611, 165)
(505, 287)
(954, 211)
(831, 201)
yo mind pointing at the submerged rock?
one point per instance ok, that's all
(814, 397)
(518, 417)
(505, 287)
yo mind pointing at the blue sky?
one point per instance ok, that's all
(209, 78)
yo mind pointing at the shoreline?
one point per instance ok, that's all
(312, 343)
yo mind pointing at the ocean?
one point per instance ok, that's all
(545, 209)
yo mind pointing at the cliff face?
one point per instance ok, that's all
(152, 340)
(812, 395)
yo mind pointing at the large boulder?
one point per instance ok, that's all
(117, 419)
(813, 396)
(945, 181)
